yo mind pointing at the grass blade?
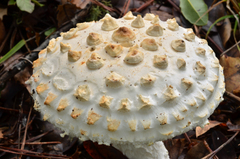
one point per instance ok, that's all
(219, 19)
(18, 46)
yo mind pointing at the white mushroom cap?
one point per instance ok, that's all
(85, 87)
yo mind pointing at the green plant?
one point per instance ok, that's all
(97, 12)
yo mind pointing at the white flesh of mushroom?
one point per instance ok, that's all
(142, 102)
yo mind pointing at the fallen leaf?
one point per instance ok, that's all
(197, 151)
(201, 131)
(225, 31)
(231, 72)
(175, 147)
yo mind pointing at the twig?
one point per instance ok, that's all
(30, 122)
(220, 147)
(32, 143)
(19, 119)
(26, 128)
(142, 7)
(19, 135)
(33, 154)
(232, 96)
(174, 5)
(12, 110)
(125, 7)
(187, 137)
(209, 149)
(39, 136)
(26, 60)
(196, 30)
(28, 151)
(230, 48)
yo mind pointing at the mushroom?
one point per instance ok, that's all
(100, 96)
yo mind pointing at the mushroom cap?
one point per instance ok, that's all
(118, 102)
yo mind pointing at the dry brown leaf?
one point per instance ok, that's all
(200, 131)
(231, 72)
(23, 75)
(175, 147)
(225, 31)
(197, 151)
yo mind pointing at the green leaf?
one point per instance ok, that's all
(12, 2)
(18, 46)
(194, 10)
(49, 31)
(95, 13)
(25, 5)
